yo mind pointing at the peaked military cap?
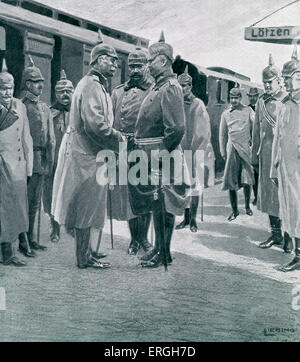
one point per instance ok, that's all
(271, 71)
(5, 77)
(64, 83)
(31, 72)
(161, 48)
(185, 77)
(102, 49)
(292, 66)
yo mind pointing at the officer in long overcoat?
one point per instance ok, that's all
(235, 142)
(267, 110)
(60, 112)
(42, 133)
(196, 137)
(285, 167)
(127, 99)
(160, 127)
(16, 159)
(82, 201)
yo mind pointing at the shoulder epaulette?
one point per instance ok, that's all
(285, 99)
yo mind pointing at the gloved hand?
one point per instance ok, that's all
(131, 143)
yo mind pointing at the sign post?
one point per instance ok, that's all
(273, 34)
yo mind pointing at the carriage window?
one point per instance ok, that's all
(219, 92)
(2, 38)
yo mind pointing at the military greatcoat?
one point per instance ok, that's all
(16, 160)
(160, 126)
(267, 110)
(80, 202)
(235, 144)
(286, 164)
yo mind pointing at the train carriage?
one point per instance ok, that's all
(56, 40)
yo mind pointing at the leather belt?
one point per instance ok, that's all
(149, 141)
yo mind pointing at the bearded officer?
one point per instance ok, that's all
(60, 111)
(42, 133)
(235, 141)
(196, 137)
(160, 127)
(16, 158)
(82, 206)
(285, 168)
(127, 99)
(267, 110)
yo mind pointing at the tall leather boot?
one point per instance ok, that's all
(169, 227)
(276, 237)
(144, 223)
(185, 221)
(193, 214)
(54, 230)
(247, 194)
(9, 258)
(134, 245)
(234, 205)
(24, 247)
(82, 238)
(295, 263)
(32, 243)
(255, 187)
(288, 243)
(154, 257)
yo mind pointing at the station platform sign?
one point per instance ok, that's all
(273, 34)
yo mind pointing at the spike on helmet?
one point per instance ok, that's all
(161, 48)
(139, 56)
(185, 77)
(271, 72)
(235, 92)
(100, 37)
(292, 66)
(5, 77)
(64, 83)
(32, 72)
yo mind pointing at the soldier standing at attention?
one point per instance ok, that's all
(235, 143)
(196, 137)
(42, 133)
(60, 112)
(267, 110)
(126, 100)
(160, 127)
(15, 167)
(253, 97)
(285, 169)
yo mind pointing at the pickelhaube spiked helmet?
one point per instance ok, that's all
(64, 83)
(32, 72)
(139, 56)
(235, 92)
(161, 48)
(5, 77)
(185, 77)
(102, 49)
(271, 71)
(292, 66)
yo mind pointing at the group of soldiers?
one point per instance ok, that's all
(30, 136)
(50, 154)
(261, 146)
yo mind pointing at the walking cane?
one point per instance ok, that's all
(201, 204)
(39, 221)
(162, 231)
(110, 216)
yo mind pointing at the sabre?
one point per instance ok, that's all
(39, 221)
(201, 203)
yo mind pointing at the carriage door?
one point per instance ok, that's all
(11, 47)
